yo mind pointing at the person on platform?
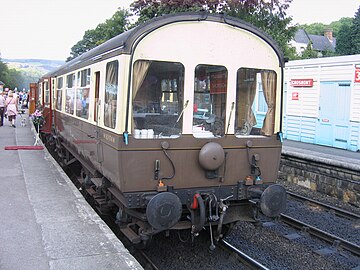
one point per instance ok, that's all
(2, 108)
(24, 100)
(11, 104)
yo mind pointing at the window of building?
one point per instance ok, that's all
(209, 101)
(158, 90)
(82, 93)
(70, 93)
(111, 92)
(255, 87)
(59, 86)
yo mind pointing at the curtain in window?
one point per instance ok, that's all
(245, 98)
(59, 99)
(268, 79)
(111, 73)
(111, 90)
(140, 70)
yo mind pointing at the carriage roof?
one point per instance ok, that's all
(124, 43)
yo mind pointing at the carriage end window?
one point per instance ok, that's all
(209, 101)
(158, 89)
(255, 102)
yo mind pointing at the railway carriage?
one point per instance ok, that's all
(44, 94)
(176, 124)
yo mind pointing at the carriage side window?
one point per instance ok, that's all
(82, 93)
(40, 95)
(46, 93)
(53, 92)
(59, 86)
(158, 90)
(111, 92)
(255, 102)
(70, 93)
(209, 101)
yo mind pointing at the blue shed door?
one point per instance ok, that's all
(334, 112)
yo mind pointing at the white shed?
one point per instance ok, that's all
(322, 101)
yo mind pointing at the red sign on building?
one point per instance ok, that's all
(357, 75)
(302, 82)
(295, 96)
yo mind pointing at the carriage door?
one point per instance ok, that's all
(99, 153)
(334, 111)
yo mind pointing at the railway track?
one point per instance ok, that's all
(337, 211)
(242, 257)
(145, 261)
(330, 238)
(337, 242)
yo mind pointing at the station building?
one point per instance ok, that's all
(322, 101)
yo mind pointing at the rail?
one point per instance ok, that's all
(338, 211)
(330, 238)
(247, 260)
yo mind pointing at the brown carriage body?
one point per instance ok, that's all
(167, 122)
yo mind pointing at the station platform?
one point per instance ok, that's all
(328, 155)
(45, 223)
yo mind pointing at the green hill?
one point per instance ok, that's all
(37, 67)
(32, 69)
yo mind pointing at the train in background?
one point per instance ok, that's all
(161, 120)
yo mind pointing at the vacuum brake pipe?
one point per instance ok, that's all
(198, 203)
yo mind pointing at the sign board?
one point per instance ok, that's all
(295, 96)
(218, 83)
(357, 75)
(302, 82)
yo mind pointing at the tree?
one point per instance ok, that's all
(348, 41)
(146, 10)
(355, 33)
(336, 26)
(319, 28)
(4, 70)
(112, 27)
(15, 79)
(11, 77)
(309, 52)
(314, 28)
(343, 44)
(268, 15)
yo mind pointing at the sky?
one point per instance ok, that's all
(47, 29)
(323, 11)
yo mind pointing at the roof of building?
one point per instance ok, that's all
(301, 36)
(319, 43)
